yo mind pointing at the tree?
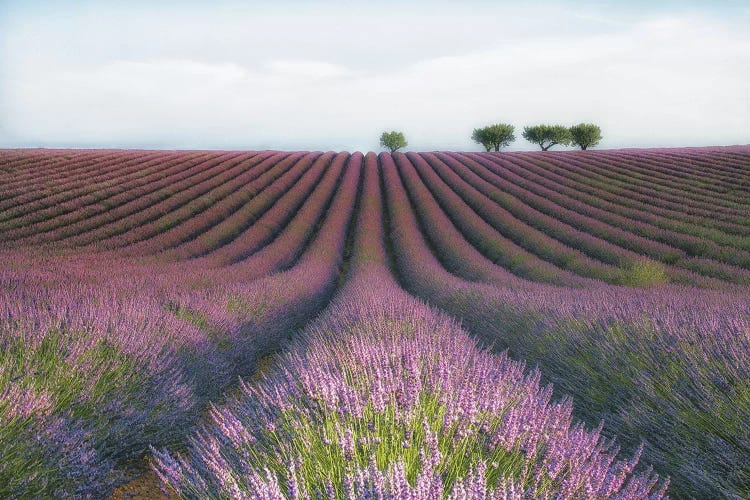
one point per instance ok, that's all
(547, 136)
(585, 135)
(495, 136)
(393, 140)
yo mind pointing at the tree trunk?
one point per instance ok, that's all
(497, 148)
(583, 147)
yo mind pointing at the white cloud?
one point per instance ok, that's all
(308, 69)
(659, 81)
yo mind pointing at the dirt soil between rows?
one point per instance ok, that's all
(145, 487)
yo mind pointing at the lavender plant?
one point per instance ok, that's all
(386, 398)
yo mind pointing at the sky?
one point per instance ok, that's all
(333, 75)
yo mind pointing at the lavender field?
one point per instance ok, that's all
(429, 325)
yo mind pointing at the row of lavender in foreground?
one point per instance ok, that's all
(383, 397)
(386, 398)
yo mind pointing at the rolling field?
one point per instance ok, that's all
(503, 325)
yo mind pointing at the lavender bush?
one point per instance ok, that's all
(386, 398)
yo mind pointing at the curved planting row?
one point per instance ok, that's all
(430, 414)
(533, 178)
(16, 174)
(580, 180)
(199, 215)
(57, 168)
(198, 178)
(47, 193)
(154, 174)
(713, 176)
(580, 177)
(276, 240)
(593, 203)
(607, 182)
(625, 173)
(522, 234)
(458, 253)
(228, 225)
(667, 175)
(163, 213)
(600, 240)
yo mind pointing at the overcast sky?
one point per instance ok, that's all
(333, 75)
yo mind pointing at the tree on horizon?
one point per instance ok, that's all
(393, 140)
(495, 136)
(585, 135)
(546, 136)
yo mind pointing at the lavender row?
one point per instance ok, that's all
(227, 226)
(278, 237)
(607, 348)
(580, 179)
(164, 216)
(57, 168)
(609, 243)
(519, 231)
(706, 176)
(668, 173)
(626, 173)
(455, 251)
(16, 172)
(430, 414)
(608, 182)
(103, 197)
(520, 177)
(200, 178)
(48, 193)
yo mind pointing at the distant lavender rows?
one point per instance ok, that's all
(172, 289)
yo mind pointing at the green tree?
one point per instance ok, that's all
(495, 136)
(547, 136)
(393, 140)
(585, 135)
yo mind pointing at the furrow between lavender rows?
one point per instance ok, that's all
(493, 257)
(35, 196)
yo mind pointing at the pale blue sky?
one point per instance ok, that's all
(332, 75)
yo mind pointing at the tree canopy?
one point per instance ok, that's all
(546, 136)
(393, 140)
(585, 135)
(495, 136)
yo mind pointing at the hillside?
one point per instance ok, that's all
(137, 286)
